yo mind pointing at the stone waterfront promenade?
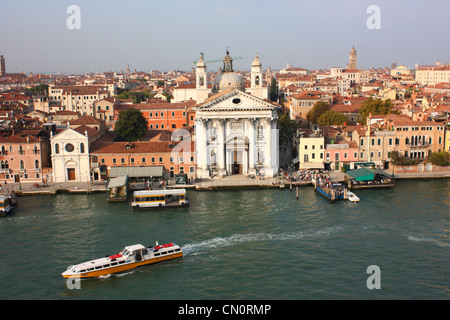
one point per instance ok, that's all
(218, 183)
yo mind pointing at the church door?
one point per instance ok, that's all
(71, 174)
(237, 162)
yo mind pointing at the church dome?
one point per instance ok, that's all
(227, 78)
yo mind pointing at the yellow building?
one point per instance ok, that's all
(311, 148)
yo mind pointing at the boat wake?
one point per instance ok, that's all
(239, 239)
(423, 239)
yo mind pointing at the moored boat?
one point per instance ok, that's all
(352, 197)
(7, 204)
(151, 199)
(129, 258)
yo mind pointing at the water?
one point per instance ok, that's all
(261, 244)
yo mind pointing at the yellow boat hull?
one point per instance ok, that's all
(124, 267)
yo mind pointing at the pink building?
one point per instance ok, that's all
(22, 158)
(340, 154)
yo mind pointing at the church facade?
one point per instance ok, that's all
(236, 131)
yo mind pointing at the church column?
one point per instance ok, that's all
(221, 147)
(201, 148)
(268, 145)
(252, 148)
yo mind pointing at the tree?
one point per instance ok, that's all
(318, 108)
(441, 158)
(273, 90)
(397, 159)
(40, 88)
(287, 128)
(375, 107)
(331, 117)
(131, 125)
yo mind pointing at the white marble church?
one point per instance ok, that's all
(235, 129)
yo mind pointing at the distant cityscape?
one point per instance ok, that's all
(214, 121)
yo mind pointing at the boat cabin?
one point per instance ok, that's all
(159, 198)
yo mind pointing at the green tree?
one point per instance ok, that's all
(40, 88)
(441, 158)
(400, 160)
(318, 108)
(131, 125)
(287, 128)
(375, 107)
(331, 117)
(273, 90)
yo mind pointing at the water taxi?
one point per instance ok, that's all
(129, 258)
(7, 204)
(148, 199)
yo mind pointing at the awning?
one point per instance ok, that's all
(366, 174)
(117, 182)
(311, 165)
(137, 172)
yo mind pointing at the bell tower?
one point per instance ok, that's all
(352, 59)
(256, 80)
(201, 85)
(200, 73)
(256, 73)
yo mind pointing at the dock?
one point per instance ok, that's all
(336, 191)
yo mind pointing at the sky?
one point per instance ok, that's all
(170, 35)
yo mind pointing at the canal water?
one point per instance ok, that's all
(252, 244)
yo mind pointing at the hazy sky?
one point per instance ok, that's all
(164, 35)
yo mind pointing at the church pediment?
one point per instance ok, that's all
(69, 134)
(235, 100)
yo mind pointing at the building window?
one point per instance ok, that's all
(160, 159)
(56, 148)
(153, 159)
(132, 160)
(82, 148)
(143, 160)
(122, 160)
(114, 160)
(69, 147)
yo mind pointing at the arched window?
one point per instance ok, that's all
(257, 80)
(22, 165)
(81, 147)
(36, 164)
(56, 148)
(6, 165)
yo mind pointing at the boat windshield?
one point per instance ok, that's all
(124, 252)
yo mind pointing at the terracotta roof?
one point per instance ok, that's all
(139, 147)
(86, 120)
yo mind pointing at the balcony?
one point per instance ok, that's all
(419, 145)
